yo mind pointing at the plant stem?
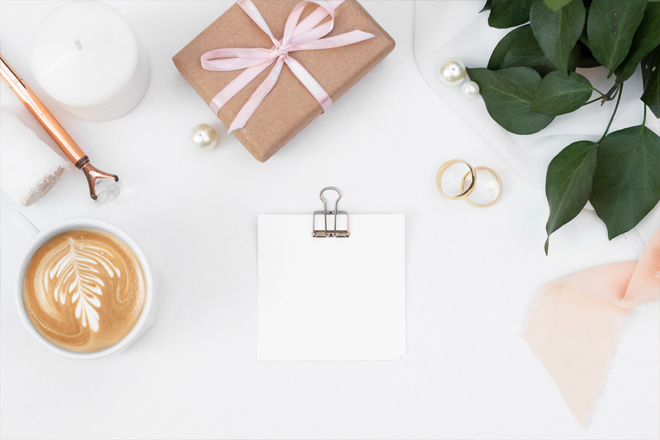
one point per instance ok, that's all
(610, 94)
(598, 91)
(616, 92)
(644, 121)
(614, 113)
(593, 100)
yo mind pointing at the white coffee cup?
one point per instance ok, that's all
(148, 315)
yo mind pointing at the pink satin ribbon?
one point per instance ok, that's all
(297, 36)
(575, 321)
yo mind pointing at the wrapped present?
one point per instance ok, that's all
(269, 68)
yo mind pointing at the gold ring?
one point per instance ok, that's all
(499, 181)
(466, 192)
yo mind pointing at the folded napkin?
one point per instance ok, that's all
(575, 321)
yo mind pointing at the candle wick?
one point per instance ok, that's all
(77, 43)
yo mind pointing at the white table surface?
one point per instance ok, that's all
(471, 273)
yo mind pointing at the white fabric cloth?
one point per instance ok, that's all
(456, 29)
(29, 166)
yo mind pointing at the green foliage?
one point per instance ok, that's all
(626, 184)
(531, 79)
(651, 79)
(568, 184)
(509, 13)
(559, 94)
(556, 5)
(611, 26)
(508, 94)
(557, 32)
(518, 49)
(644, 41)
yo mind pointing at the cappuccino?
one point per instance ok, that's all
(84, 290)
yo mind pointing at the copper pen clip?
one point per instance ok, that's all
(75, 154)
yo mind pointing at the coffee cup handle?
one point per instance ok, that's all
(24, 224)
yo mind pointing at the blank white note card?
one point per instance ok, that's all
(331, 298)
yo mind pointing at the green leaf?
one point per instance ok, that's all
(557, 32)
(644, 41)
(556, 5)
(568, 184)
(584, 38)
(503, 47)
(651, 79)
(627, 180)
(509, 13)
(559, 94)
(573, 58)
(487, 6)
(508, 94)
(519, 48)
(611, 26)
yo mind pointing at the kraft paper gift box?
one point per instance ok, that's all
(289, 107)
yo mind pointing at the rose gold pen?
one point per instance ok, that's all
(75, 154)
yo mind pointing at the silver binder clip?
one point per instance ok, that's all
(333, 232)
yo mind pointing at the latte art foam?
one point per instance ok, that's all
(84, 290)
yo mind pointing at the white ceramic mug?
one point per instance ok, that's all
(148, 315)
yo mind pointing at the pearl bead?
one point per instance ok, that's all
(470, 89)
(451, 73)
(203, 136)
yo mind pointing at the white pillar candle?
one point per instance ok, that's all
(87, 57)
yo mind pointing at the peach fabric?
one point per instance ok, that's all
(574, 323)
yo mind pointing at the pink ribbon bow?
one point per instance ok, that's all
(297, 36)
